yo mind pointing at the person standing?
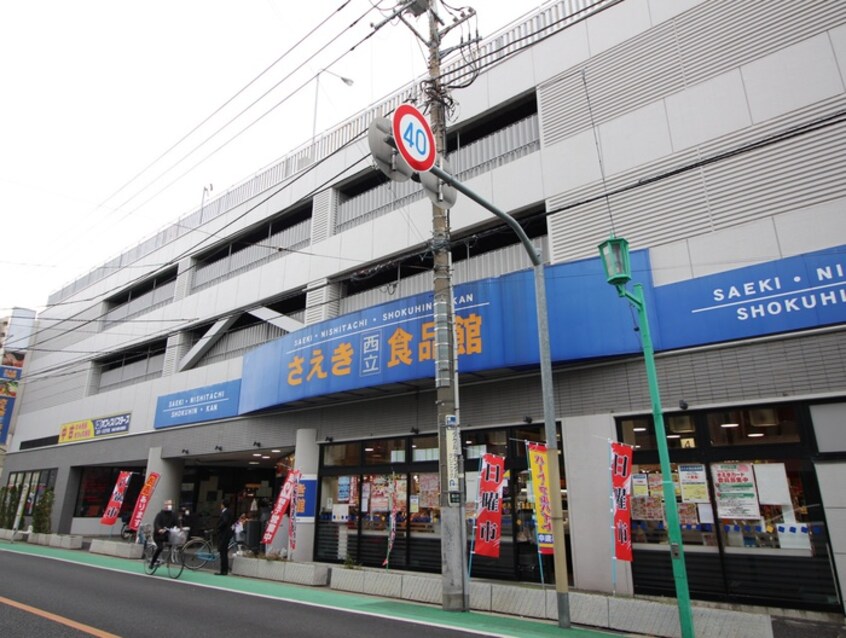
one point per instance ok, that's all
(224, 535)
(164, 520)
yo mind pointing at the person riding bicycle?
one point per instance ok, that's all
(164, 520)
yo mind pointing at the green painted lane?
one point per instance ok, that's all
(482, 623)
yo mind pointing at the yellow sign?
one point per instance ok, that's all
(542, 496)
(76, 431)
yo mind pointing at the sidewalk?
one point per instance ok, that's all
(482, 623)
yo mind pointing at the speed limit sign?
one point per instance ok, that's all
(414, 138)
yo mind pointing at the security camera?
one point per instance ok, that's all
(683, 404)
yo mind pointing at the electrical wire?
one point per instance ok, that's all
(217, 110)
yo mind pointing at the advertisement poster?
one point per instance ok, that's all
(542, 496)
(688, 514)
(647, 508)
(487, 533)
(656, 488)
(734, 485)
(694, 483)
(621, 485)
(430, 490)
(640, 485)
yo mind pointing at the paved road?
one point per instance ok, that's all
(112, 595)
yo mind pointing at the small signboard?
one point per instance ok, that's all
(208, 403)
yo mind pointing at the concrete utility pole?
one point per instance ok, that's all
(455, 580)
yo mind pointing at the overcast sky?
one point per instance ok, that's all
(94, 92)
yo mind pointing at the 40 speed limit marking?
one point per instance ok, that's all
(413, 137)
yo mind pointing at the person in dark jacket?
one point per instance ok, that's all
(224, 535)
(164, 520)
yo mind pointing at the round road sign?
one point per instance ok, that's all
(414, 138)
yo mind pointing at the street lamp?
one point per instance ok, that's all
(346, 81)
(615, 257)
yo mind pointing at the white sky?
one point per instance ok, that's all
(93, 91)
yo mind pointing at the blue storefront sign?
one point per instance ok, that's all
(496, 325)
(785, 295)
(9, 378)
(208, 403)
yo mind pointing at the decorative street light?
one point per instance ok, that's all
(615, 257)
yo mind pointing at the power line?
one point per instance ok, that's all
(215, 112)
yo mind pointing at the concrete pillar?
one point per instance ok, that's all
(170, 481)
(307, 456)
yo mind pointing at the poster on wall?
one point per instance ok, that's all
(640, 485)
(734, 486)
(693, 483)
(647, 508)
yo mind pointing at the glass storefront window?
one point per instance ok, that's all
(424, 448)
(94, 490)
(380, 495)
(755, 426)
(383, 451)
(424, 504)
(532, 434)
(477, 443)
(342, 454)
(639, 432)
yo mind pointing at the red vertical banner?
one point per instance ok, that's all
(112, 512)
(392, 519)
(286, 495)
(543, 496)
(143, 500)
(296, 496)
(621, 486)
(489, 506)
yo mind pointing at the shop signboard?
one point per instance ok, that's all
(9, 376)
(86, 429)
(207, 403)
(496, 326)
(778, 296)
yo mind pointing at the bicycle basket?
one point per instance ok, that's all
(177, 536)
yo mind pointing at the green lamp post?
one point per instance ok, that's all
(615, 258)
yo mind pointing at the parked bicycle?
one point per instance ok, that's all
(126, 533)
(198, 552)
(171, 554)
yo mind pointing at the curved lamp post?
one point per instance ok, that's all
(615, 257)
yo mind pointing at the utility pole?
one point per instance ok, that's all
(455, 580)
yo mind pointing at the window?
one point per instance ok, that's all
(342, 454)
(384, 451)
(757, 426)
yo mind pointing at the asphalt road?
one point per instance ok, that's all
(126, 602)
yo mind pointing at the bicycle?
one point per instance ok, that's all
(171, 554)
(198, 552)
(126, 533)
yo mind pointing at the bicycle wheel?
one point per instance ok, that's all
(196, 553)
(146, 556)
(175, 564)
(126, 533)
